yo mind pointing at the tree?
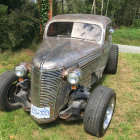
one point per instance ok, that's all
(19, 27)
(68, 9)
(12, 4)
(55, 7)
(62, 1)
(107, 8)
(102, 7)
(93, 7)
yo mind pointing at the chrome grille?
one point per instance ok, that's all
(45, 88)
(50, 83)
(35, 86)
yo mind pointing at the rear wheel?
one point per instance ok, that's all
(8, 90)
(112, 63)
(99, 111)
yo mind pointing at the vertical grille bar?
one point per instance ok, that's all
(35, 87)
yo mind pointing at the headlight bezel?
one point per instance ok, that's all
(74, 75)
(20, 71)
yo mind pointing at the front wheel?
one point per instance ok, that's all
(8, 81)
(99, 111)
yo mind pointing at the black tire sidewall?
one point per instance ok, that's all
(112, 64)
(8, 81)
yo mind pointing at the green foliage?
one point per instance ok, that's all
(44, 8)
(73, 6)
(3, 10)
(136, 23)
(12, 4)
(20, 26)
(122, 12)
(125, 12)
(127, 36)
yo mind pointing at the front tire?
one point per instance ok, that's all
(99, 111)
(8, 81)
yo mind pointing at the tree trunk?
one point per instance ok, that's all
(62, 6)
(93, 7)
(56, 6)
(107, 8)
(39, 7)
(50, 12)
(139, 13)
(68, 2)
(102, 7)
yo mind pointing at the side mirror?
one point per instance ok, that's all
(111, 30)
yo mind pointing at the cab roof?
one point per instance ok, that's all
(85, 18)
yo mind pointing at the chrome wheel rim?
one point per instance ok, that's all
(109, 113)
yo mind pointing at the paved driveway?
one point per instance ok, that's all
(129, 49)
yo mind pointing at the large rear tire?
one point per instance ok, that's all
(112, 63)
(99, 111)
(8, 81)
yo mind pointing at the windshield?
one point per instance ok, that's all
(75, 30)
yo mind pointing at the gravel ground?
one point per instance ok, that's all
(129, 49)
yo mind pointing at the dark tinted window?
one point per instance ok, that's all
(60, 28)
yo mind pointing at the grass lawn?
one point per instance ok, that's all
(127, 36)
(18, 125)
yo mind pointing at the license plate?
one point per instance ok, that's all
(40, 113)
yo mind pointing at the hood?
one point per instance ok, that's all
(57, 53)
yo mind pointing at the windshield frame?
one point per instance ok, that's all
(92, 23)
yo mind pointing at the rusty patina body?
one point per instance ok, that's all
(58, 54)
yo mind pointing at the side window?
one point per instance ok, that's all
(107, 35)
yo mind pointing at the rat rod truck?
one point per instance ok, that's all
(75, 51)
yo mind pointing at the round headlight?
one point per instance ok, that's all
(20, 71)
(73, 78)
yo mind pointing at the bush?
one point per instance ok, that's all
(136, 23)
(3, 10)
(19, 27)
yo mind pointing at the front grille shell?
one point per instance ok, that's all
(45, 87)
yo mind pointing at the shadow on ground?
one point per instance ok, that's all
(58, 122)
